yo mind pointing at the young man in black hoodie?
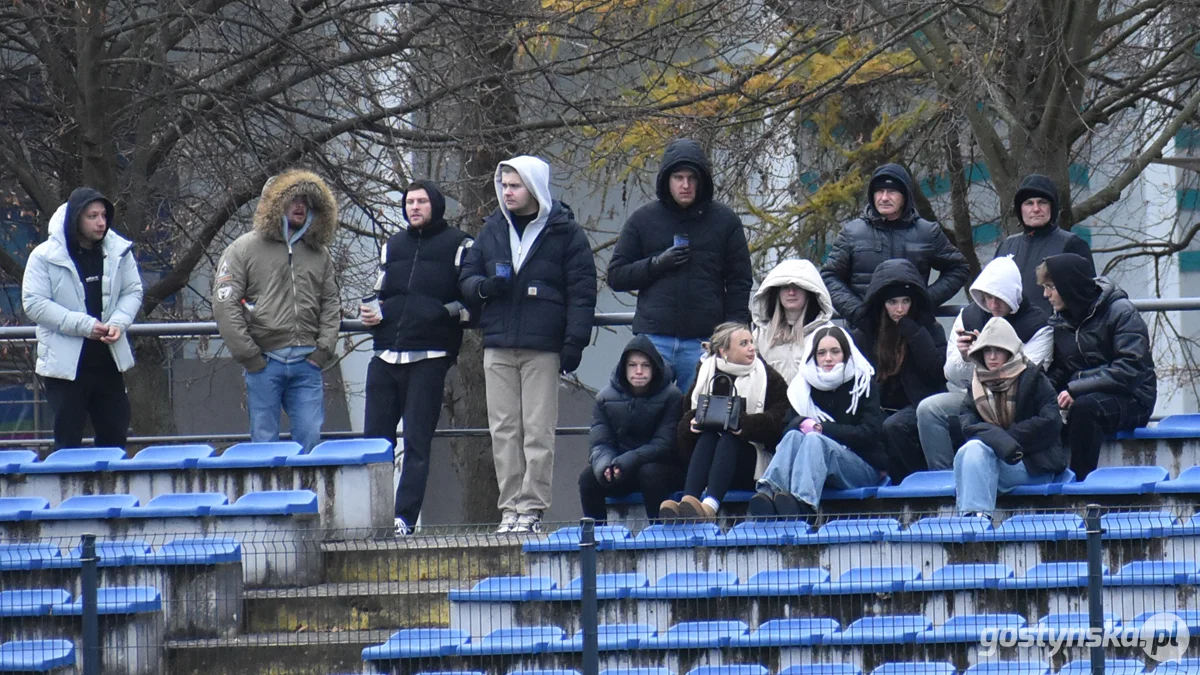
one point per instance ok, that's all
(1102, 367)
(418, 333)
(633, 434)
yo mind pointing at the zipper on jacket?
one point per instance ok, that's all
(295, 304)
(412, 273)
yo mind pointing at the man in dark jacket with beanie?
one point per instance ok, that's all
(890, 228)
(633, 434)
(1102, 368)
(687, 258)
(418, 333)
(1036, 207)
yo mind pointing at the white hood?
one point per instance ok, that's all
(1001, 278)
(535, 174)
(800, 272)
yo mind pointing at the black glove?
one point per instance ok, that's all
(627, 463)
(453, 309)
(1013, 455)
(493, 287)
(569, 359)
(676, 256)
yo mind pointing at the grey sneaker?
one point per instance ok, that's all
(507, 523)
(402, 528)
(528, 522)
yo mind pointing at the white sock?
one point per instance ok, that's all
(712, 503)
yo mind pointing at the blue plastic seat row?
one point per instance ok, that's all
(179, 505)
(57, 602)
(902, 668)
(174, 457)
(188, 551)
(36, 655)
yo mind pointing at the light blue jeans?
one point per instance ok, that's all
(293, 387)
(979, 475)
(805, 463)
(683, 355)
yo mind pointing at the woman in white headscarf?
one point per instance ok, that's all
(791, 303)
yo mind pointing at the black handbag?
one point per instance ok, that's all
(720, 413)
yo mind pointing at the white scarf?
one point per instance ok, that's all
(812, 376)
(750, 381)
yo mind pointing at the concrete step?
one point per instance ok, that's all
(273, 653)
(457, 558)
(387, 605)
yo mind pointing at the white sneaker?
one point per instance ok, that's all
(507, 523)
(528, 522)
(401, 528)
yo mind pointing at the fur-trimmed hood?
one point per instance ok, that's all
(281, 189)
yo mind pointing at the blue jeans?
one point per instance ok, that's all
(294, 387)
(979, 475)
(805, 463)
(682, 354)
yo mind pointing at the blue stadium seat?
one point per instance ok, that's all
(527, 640)
(1190, 618)
(279, 503)
(942, 530)
(1038, 527)
(1137, 525)
(736, 496)
(881, 630)
(1050, 575)
(446, 672)
(822, 669)
(1187, 482)
(608, 587)
(1054, 487)
(198, 551)
(31, 601)
(868, 580)
(1171, 426)
(114, 553)
(27, 556)
(21, 508)
(761, 533)
(969, 628)
(636, 671)
(961, 577)
(566, 539)
(1180, 667)
(544, 672)
(828, 494)
(1067, 625)
(1111, 667)
(1153, 573)
(117, 600)
(788, 633)
(739, 669)
(414, 643)
(74, 460)
(503, 589)
(250, 455)
(11, 460)
(1188, 528)
(684, 535)
(1118, 480)
(776, 583)
(631, 499)
(854, 530)
(697, 635)
(37, 656)
(919, 485)
(163, 458)
(177, 505)
(610, 637)
(1009, 668)
(681, 585)
(345, 452)
(916, 668)
(87, 506)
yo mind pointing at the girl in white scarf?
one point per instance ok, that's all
(836, 443)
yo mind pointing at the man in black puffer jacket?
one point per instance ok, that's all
(686, 257)
(417, 338)
(1102, 368)
(633, 434)
(1036, 207)
(890, 228)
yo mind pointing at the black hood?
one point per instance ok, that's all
(900, 175)
(663, 375)
(76, 203)
(437, 203)
(1072, 277)
(1037, 185)
(888, 277)
(684, 152)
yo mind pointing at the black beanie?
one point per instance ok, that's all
(904, 290)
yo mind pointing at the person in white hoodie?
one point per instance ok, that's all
(996, 293)
(531, 269)
(788, 306)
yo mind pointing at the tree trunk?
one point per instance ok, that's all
(964, 234)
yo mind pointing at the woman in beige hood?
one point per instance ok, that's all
(791, 303)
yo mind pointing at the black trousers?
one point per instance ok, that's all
(656, 481)
(96, 393)
(1095, 417)
(903, 444)
(412, 392)
(721, 462)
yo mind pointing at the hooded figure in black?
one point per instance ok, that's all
(867, 241)
(908, 353)
(1041, 238)
(1103, 368)
(633, 434)
(683, 290)
(417, 338)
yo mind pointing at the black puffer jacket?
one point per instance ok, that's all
(1035, 244)
(866, 242)
(922, 374)
(633, 430)
(765, 427)
(713, 286)
(1037, 434)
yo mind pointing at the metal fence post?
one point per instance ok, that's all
(587, 565)
(87, 592)
(1095, 580)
